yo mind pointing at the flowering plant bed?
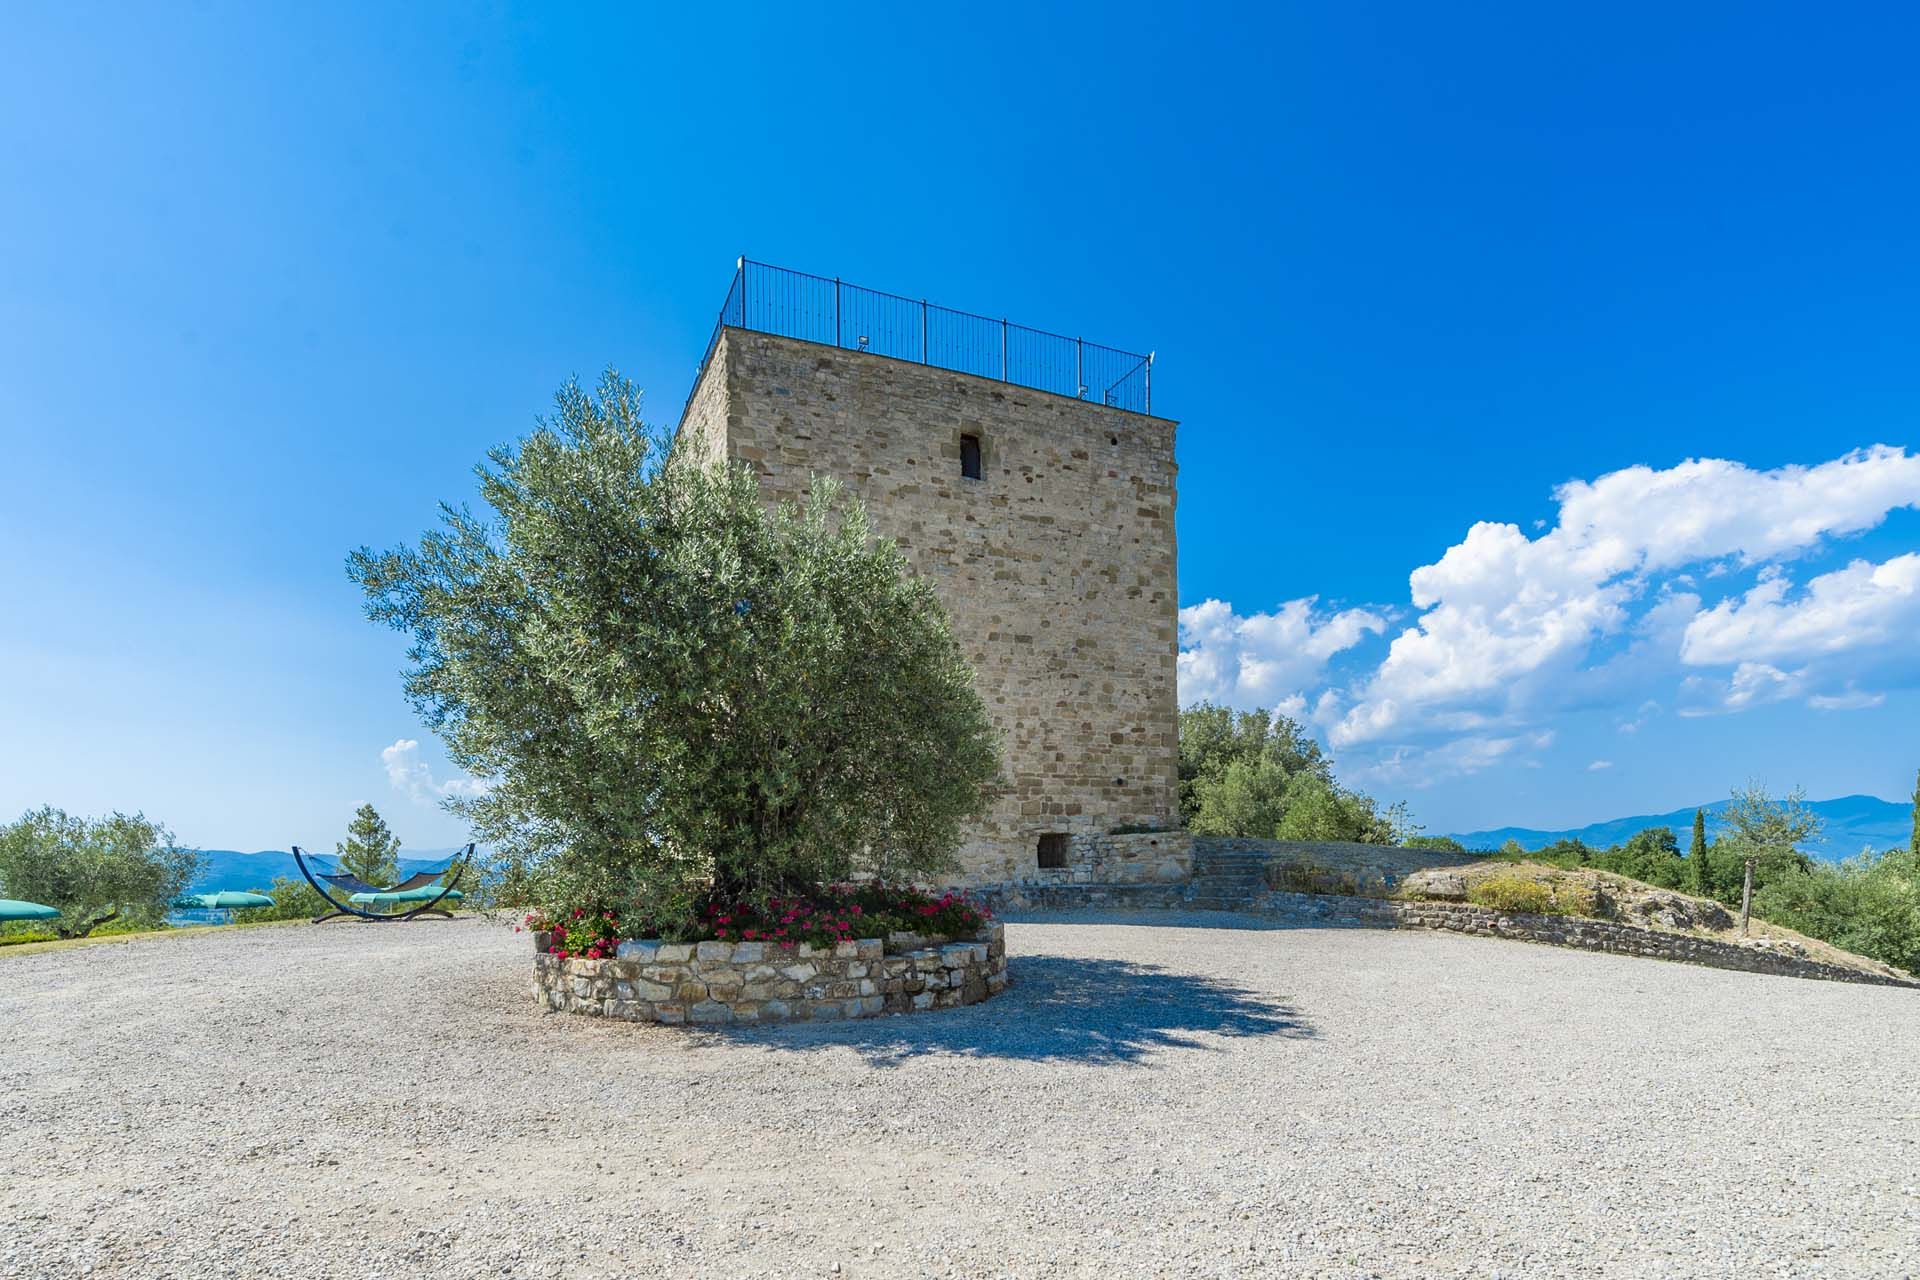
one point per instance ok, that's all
(827, 916)
(844, 913)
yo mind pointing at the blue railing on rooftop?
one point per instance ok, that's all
(793, 304)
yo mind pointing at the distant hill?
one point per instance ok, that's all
(231, 869)
(1853, 823)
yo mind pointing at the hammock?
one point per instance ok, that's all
(412, 889)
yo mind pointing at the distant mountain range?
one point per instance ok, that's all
(231, 869)
(1852, 823)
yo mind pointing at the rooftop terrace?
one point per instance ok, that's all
(793, 304)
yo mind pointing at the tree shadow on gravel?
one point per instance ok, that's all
(1104, 1012)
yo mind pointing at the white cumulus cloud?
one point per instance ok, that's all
(413, 776)
(1864, 605)
(1652, 587)
(1264, 659)
(1508, 621)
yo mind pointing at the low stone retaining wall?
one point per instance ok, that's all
(1082, 897)
(1760, 955)
(1333, 910)
(729, 982)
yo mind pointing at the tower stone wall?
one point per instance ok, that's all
(1057, 566)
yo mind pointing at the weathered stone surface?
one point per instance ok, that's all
(1075, 505)
(860, 983)
(710, 1011)
(640, 952)
(1443, 886)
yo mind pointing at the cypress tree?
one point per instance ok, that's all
(1913, 842)
(1697, 855)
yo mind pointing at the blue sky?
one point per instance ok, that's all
(275, 277)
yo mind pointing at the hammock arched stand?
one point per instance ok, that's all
(353, 885)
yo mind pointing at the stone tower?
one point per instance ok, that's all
(1045, 523)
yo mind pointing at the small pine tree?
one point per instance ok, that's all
(1697, 854)
(370, 852)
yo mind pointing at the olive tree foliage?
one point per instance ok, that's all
(669, 685)
(94, 870)
(1765, 829)
(1260, 774)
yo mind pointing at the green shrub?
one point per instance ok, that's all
(292, 900)
(14, 935)
(1511, 893)
(119, 869)
(1553, 896)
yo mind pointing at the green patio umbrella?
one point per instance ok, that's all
(223, 900)
(14, 909)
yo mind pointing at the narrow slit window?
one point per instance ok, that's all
(970, 457)
(1053, 849)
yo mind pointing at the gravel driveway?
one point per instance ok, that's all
(1205, 1096)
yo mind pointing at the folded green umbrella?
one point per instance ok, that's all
(425, 894)
(14, 909)
(224, 899)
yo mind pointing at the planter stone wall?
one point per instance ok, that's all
(748, 982)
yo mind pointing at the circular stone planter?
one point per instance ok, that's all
(725, 982)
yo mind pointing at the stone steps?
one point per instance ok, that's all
(1226, 888)
(1229, 880)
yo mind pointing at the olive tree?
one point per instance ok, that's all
(1260, 774)
(94, 870)
(666, 683)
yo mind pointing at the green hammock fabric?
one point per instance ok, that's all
(427, 894)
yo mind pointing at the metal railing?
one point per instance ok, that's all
(793, 304)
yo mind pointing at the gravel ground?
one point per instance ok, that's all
(1205, 1096)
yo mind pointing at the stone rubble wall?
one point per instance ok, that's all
(1057, 566)
(746, 982)
(1331, 910)
(1365, 863)
(1758, 955)
(1145, 858)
